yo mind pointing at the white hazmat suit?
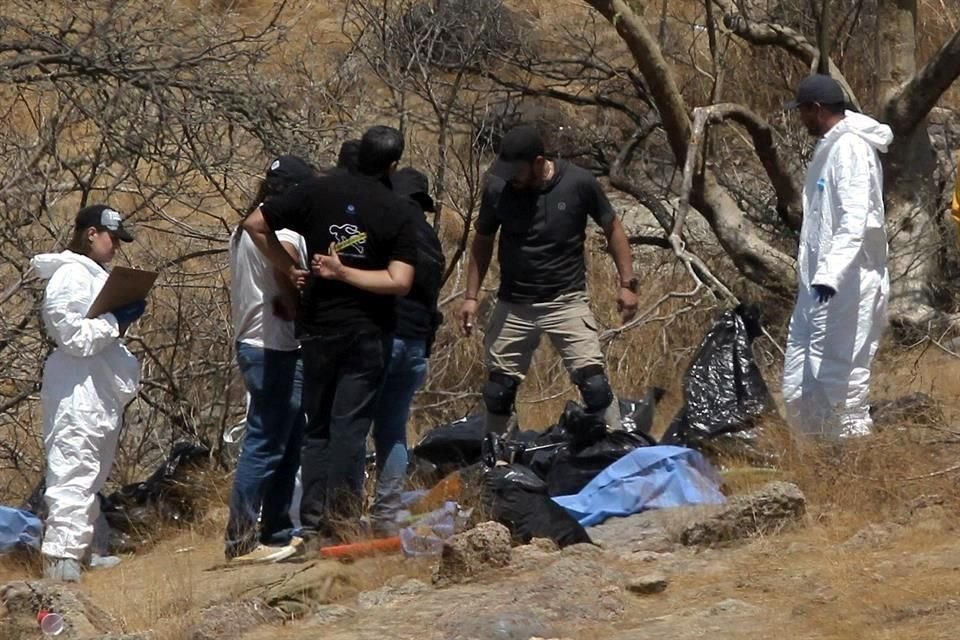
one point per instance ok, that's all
(87, 380)
(843, 245)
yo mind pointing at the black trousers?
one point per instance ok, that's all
(342, 375)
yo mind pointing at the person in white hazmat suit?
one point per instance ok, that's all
(87, 380)
(841, 306)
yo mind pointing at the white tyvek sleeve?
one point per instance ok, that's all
(850, 177)
(64, 310)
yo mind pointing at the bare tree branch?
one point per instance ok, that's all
(912, 102)
(785, 38)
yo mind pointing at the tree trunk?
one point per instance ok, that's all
(754, 258)
(910, 172)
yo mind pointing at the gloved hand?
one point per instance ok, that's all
(823, 293)
(130, 313)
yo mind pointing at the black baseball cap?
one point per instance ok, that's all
(349, 155)
(410, 183)
(103, 218)
(291, 168)
(820, 89)
(519, 147)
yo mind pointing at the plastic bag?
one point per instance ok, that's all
(19, 528)
(723, 389)
(572, 468)
(425, 535)
(646, 478)
(570, 454)
(517, 498)
(636, 416)
(452, 446)
(167, 495)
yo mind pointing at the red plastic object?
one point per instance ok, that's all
(365, 548)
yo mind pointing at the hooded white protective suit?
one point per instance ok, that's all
(87, 381)
(843, 245)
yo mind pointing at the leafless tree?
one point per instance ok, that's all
(904, 96)
(168, 113)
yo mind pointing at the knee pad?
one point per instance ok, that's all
(499, 393)
(594, 387)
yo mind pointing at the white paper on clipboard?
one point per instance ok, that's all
(123, 286)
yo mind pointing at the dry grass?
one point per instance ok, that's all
(846, 490)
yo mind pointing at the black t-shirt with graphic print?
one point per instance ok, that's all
(370, 226)
(542, 232)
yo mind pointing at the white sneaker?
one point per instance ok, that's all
(61, 569)
(263, 554)
(103, 562)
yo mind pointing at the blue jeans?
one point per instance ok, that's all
(267, 467)
(406, 373)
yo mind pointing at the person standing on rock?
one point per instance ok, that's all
(843, 287)
(88, 380)
(364, 248)
(264, 304)
(540, 207)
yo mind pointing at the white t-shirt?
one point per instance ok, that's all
(252, 290)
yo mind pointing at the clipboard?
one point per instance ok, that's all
(123, 286)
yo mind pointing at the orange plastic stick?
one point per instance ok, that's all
(367, 547)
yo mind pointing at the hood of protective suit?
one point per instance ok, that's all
(47, 264)
(876, 134)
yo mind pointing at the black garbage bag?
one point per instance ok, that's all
(168, 495)
(568, 455)
(636, 416)
(571, 468)
(452, 446)
(723, 390)
(517, 498)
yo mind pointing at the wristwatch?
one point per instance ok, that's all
(633, 285)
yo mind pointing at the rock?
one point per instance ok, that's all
(539, 553)
(583, 550)
(517, 624)
(23, 599)
(229, 620)
(649, 556)
(874, 535)
(470, 553)
(731, 605)
(545, 544)
(776, 505)
(390, 594)
(328, 614)
(648, 584)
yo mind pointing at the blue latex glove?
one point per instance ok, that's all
(129, 313)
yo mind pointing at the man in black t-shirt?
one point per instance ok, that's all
(540, 207)
(364, 247)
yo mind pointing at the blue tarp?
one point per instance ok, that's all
(19, 527)
(646, 478)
